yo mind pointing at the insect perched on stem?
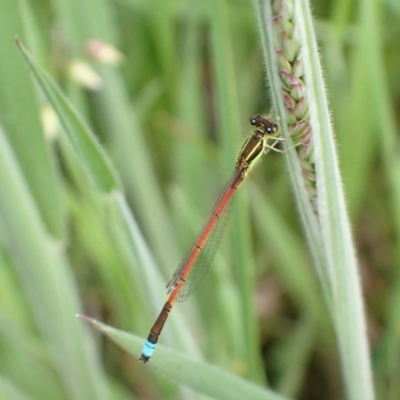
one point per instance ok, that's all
(198, 259)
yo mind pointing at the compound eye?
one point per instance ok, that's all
(255, 120)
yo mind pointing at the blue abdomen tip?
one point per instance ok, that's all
(148, 348)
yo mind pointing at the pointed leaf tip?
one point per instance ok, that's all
(87, 319)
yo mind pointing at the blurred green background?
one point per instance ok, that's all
(168, 87)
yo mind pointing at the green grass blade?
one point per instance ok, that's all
(372, 26)
(21, 120)
(205, 379)
(228, 112)
(127, 141)
(329, 238)
(85, 143)
(10, 391)
(46, 281)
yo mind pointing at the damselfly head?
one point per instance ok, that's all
(264, 125)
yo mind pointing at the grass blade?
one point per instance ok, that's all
(328, 230)
(204, 379)
(85, 143)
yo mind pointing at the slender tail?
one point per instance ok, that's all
(152, 339)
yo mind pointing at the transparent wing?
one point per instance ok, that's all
(207, 253)
(204, 260)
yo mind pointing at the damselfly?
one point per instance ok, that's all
(197, 261)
